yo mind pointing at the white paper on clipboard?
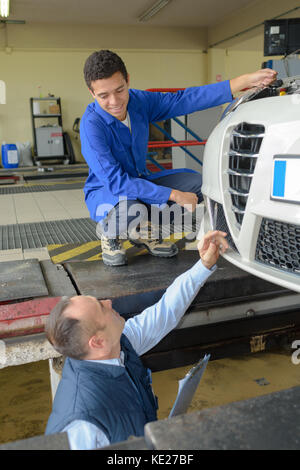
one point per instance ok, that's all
(188, 386)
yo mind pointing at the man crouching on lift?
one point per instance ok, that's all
(114, 133)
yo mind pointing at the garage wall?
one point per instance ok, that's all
(244, 53)
(52, 57)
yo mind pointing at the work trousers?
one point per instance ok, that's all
(127, 215)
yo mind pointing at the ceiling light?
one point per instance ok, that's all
(4, 8)
(153, 10)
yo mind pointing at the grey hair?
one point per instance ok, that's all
(67, 335)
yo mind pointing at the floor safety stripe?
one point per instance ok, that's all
(73, 251)
(91, 251)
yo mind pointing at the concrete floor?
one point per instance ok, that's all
(26, 397)
(229, 380)
(42, 206)
(39, 207)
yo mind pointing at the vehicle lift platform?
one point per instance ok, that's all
(234, 312)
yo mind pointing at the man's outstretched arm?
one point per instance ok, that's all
(144, 331)
(260, 78)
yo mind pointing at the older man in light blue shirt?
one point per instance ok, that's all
(101, 346)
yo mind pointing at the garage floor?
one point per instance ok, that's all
(25, 390)
(42, 206)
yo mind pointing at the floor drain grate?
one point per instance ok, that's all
(40, 188)
(40, 234)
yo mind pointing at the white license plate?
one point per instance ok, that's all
(286, 179)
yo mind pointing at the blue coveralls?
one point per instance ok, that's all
(116, 156)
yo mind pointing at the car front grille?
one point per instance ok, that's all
(278, 245)
(244, 149)
(217, 214)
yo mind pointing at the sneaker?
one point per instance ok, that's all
(156, 247)
(113, 254)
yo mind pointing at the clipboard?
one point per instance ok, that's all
(188, 386)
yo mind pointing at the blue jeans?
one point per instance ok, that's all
(128, 214)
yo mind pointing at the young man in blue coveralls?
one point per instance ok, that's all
(114, 134)
(105, 392)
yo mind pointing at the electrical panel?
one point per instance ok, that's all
(281, 37)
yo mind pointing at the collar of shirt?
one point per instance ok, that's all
(126, 121)
(118, 361)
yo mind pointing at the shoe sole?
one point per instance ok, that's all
(160, 255)
(110, 262)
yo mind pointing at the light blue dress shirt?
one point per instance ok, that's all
(144, 331)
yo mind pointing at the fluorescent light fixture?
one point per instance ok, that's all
(4, 8)
(153, 10)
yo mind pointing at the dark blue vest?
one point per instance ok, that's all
(118, 400)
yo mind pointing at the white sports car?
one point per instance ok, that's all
(251, 182)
